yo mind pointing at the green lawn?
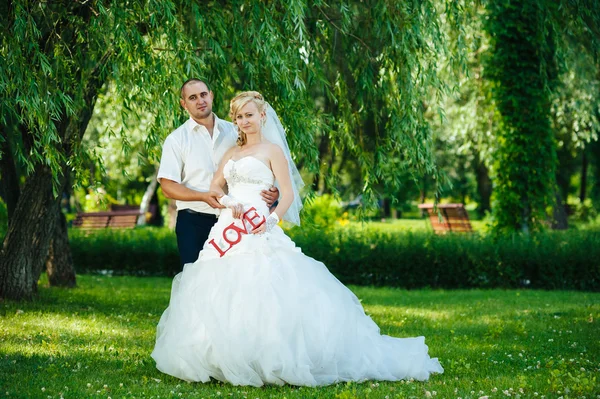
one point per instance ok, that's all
(404, 225)
(95, 341)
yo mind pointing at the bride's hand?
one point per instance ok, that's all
(268, 225)
(237, 210)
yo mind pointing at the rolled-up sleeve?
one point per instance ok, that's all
(171, 162)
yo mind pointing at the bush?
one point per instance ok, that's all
(322, 212)
(549, 260)
(141, 251)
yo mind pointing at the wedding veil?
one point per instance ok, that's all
(273, 131)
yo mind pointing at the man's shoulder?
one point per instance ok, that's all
(178, 134)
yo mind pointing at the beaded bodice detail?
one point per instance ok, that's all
(248, 171)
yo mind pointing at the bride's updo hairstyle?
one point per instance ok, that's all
(238, 102)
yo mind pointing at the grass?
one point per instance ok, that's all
(95, 342)
(415, 225)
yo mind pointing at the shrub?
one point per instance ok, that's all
(362, 256)
(322, 211)
(140, 251)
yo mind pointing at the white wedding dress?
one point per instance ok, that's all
(265, 313)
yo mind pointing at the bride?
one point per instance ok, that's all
(253, 309)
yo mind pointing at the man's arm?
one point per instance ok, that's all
(177, 191)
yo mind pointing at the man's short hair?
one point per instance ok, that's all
(192, 80)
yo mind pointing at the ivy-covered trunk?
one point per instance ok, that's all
(522, 68)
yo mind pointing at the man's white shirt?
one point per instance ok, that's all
(191, 157)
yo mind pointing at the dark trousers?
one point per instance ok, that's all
(192, 231)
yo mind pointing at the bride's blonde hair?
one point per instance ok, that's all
(238, 102)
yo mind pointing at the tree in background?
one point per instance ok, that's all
(522, 67)
(528, 39)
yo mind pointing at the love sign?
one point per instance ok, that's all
(232, 234)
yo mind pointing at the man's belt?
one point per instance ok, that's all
(193, 212)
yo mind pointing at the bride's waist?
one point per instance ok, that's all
(250, 200)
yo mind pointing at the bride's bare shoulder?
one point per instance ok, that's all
(273, 149)
(231, 152)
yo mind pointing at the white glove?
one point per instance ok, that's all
(227, 201)
(271, 222)
(236, 208)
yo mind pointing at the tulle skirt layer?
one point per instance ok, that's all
(268, 314)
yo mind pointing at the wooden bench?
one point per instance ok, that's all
(102, 220)
(454, 218)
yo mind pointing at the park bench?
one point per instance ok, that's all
(454, 218)
(101, 220)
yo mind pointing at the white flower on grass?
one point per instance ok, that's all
(89, 385)
(494, 389)
(43, 389)
(105, 386)
(427, 394)
(121, 385)
(484, 397)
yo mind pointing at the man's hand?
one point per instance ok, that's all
(178, 191)
(212, 199)
(270, 196)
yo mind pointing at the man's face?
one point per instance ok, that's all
(197, 100)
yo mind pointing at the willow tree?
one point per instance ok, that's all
(57, 57)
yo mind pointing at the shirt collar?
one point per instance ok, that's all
(192, 125)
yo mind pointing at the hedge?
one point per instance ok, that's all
(548, 260)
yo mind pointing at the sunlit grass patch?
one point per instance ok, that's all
(95, 342)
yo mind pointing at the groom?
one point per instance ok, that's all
(190, 156)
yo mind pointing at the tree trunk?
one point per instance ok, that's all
(59, 264)
(27, 240)
(145, 205)
(560, 220)
(9, 180)
(584, 171)
(484, 187)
